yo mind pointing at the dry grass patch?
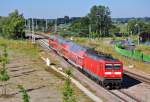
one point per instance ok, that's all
(144, 49)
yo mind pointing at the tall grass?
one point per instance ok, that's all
(20, 46)
(144, 49)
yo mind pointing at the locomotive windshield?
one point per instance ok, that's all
(112, 66)
(117, 66)
(109, 66)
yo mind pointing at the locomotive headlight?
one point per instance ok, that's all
(108, 73)
(117, 73)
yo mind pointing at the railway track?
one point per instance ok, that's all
(120, 94)
(138, 77)
(124, 96)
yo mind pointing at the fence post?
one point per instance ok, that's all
(142, 57)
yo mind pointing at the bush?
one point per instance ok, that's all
(12, 26)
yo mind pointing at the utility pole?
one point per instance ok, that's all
(55, 25)
(138, 35)
(36, 25)
(138, 29)
(26, 27)
(89, 31)
(29, 26)
(98, 25)
(25, 24)
(46, 25)
(33, 36)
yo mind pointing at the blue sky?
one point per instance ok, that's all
(60, 8)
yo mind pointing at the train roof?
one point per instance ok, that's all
(76, 48)
(73, 46)
(60, 39)
(98, 56)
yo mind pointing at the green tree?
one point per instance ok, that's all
(66, 18)
(76, 25)
(135, 26)
(5, 54)
(0, 58)
(82, 23)
(0, 25)
(13, 25)
(4, 77)
(114, 29)
(68, 91)
(25, 95)
(100, 18)
(147, 28)
(81, 26)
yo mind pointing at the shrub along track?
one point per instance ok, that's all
(120, 95)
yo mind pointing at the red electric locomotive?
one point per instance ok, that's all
(105, 69)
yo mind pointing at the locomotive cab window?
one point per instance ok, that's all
(108, 66)
(117, 66)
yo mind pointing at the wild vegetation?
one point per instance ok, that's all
(4, 77)
(68, 95)
(144, 49)
(12, 26)
(20, 46)
(25, 96)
